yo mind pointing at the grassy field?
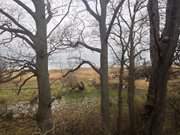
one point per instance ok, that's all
(79, 112)
(8, 91)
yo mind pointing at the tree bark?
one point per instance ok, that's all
(156, 103)
(104, 72)
(44, 114)
(131, 93)
(162, 51)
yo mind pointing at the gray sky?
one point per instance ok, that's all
(62, 58)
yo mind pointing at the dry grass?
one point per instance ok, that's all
(72, 118)
(24, 126)
(141, 84)
(83, 73)
(78, 114)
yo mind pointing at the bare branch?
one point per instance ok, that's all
(26, 31)
(125, 21)
(20, 3)
(142, 50)
(23, 72)
(87, 46)
(129, 9)
(11, 30)
(23, 83)
(97, 8)
(50, 14)
(96, 16)
(79, 66)
(114, 52)
(69, 6)
(17, 33)
(27, 40)
(113, 18)
(22, 63)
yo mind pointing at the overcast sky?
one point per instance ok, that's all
(62, 59)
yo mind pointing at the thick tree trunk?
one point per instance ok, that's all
(156, 102)
(44, 114)
(131, 92)
(104, 92)
(104, 72)
(104, 89)
(162, 51)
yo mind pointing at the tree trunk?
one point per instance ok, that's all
(131, 92)
(156, 102)
(44, 114)
(104, 89)
(119, 117)
(104, 72)
(162, 51)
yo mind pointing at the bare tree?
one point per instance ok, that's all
(132, 54)
(130, 36)
(37, 40)
(162, 47)
(99, 13)
(104, 31)
(121, 59)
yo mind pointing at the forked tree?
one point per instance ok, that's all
(41, 14)
(100, 15)
(129, 34)
(162, 48)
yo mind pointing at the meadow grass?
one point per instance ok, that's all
(79, 112)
